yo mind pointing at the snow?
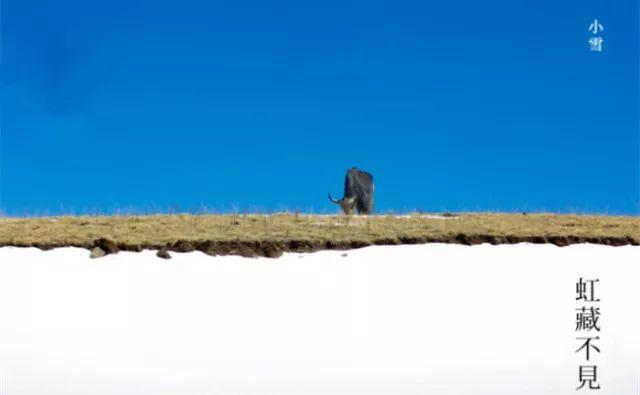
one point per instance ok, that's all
(357, 220)
(435, 318)
(429, 216)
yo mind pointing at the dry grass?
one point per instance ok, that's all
(311, 232)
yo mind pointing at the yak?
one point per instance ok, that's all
(358, 192)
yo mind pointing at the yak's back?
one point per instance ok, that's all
(359, 184)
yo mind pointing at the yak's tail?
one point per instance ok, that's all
(333, 200)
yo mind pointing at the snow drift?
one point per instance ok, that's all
(435, 318)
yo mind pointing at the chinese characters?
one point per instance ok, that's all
(595, 42)
(588, 325)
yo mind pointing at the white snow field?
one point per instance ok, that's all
(421, 319)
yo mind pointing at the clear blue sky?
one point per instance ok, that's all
(462, 105)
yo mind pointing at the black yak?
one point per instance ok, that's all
(358, 193)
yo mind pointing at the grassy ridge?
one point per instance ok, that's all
(253, 235)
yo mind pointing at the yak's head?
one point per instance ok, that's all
(347, 205)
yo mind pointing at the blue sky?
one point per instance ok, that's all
(261, 106)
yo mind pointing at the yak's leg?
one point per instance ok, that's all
(365, 205)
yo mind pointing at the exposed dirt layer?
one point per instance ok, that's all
(275, 248)
(270, 236)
